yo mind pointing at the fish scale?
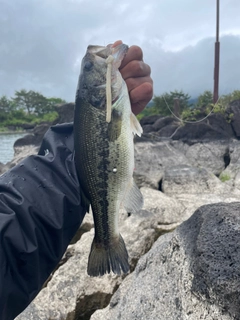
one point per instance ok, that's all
(104, 157)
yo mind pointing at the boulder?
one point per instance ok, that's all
(34, 138)
(20, 154)
(234, 113)
(191, 273)
(237, 180)
(219, 123)
(234, 160)
(214, 127)
(1, 168)
(27, 126)
(168, 131)
(213, 156)
(28, 139)
(160, 126)
(151, 158)
(183, 179)
(163, 122)
(65, 113)
(148, 128)
(150, 119)
(199, 131)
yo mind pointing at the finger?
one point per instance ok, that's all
(117, 43)
(133, 83)
(135, 69)
(134, 53)
(140, 96)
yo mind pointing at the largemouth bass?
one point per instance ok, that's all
(104, 154)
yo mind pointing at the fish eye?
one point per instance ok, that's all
(88, 66)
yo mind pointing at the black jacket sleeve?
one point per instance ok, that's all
(40, 211)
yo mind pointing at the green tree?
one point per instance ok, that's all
(34, 102)
(6, 107)
(227, 98)
(55, 101)
(164, 104)
(235, 95)
(49, 105)
(30, 101)
(161, 103)
(204, 99)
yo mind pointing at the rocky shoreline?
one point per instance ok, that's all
(183, 245)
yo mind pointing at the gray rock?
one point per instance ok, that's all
(151, 159)
(219, 123)
(234, 160)
(148, 128)
(1, 168)
(194, 201)
(209, 155)
(200, 131)
(65, 113)
(20, 154)
(162, 122)
(237, 180)
(150, 119)
(168, 131)
(191, 273)
(182, 179)
(167, 210)
(234, 108)
(34, 138)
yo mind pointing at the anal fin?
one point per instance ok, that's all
(133, 200)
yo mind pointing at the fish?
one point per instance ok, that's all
(104, 129)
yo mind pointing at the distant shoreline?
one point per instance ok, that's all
(13, 132)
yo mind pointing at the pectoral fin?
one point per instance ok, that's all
(135, 125)
(133, 201)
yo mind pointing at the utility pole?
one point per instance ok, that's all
(216, 59)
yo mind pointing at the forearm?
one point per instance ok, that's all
(40, 211)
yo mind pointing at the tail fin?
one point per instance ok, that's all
(104, 259)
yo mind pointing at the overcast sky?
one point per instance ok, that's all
(42, 42)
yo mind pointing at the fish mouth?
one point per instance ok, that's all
(102, 52)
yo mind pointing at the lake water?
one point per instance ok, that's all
(6, 145)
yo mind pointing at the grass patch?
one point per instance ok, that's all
(224, 177)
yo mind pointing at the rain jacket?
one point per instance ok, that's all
(40, 211)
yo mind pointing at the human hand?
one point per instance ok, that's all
(136, 74)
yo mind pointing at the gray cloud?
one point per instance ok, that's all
(42, 42)
(191, 69)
